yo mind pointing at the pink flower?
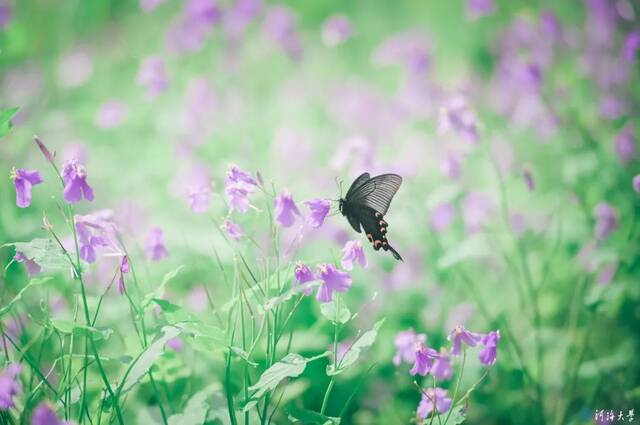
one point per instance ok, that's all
(153, 76)
(45, 414)
(285, 209)
(625, 145)
(9, 385)
(111, 114)
(238, 185)
(488, 354)
(442, 366)
(423, 359)
(442, 216)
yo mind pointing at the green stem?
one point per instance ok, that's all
(325, 400)
(455, 392)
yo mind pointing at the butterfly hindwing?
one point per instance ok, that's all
(374, 226)
(375, 193)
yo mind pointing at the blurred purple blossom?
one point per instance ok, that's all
(200, 106)
(405, 343)
(631, 45)
(238, 185)
(456, 116)
(410, 49)
(124, 269)
(33, 268)
(476, 211)
(441, 368)
(518, 223)
(50, 157)
(352, 253)
(149, 5)
(606, 220)
(607, 273)
(487, 355)
(233, 230)
(189, 32)
(478, 8)
(528, 179)
(24, 180)
(430, 396)
(285, 209)
(6, 14)
(111, 114)
(75, 151)
(198, 299)
(303, 274)
(442, 216)
(460, 335)
(75, 68)
(176, 344)
(423, 362)
(612, 107)
(625, 145)
(76, 187)
(152, 75)
(10, 385)
(332, 280)
(237, 18)
(155, 247)
(96, 230)
(45, 414)
(635, 182)
(451, 165)
(625, 10)
(281, 26)
(336, 30)
(319, 209)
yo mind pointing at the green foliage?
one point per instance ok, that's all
(365, 341)
(5, 120)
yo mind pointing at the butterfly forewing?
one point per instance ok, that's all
(375, 193)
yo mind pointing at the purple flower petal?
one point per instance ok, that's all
(155, 248)
(10, 385)
(285, 209)
(332, 280)
(319, 209)
(351, 253)
(303, 274)
(76, 186)
(24, 180)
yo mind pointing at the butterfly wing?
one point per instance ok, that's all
(375, 193)
(375, 227)
(362, 178)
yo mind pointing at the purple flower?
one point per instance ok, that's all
(406, 342)
(332, 280)
(95, 230)
(9, 385)
(111, 114)
(45, 415)
(528, 179)
(149, 5)
(460, 335)
(176, 344)
(124, 269)
(476, 211)
(410, 49)
(281, 26)
(303, 274)
(153, 76)
(24, 180)
(156, 250)
(490, 341)
(88, 241)
(76, 187)
(625, 145)
(636, 183)
(319, 209)
(238, 185)
(238, 17)
(424, 357)
(479, 8)
(33, 268)
(451, 165)
(285, 209)
(631, 45)
(606, 220)
(232, 229)
(431, 396)
(458, 117)
(442, 216)
(606, 275)
(351, 253)
(441, 368)
(46, 152)
(336, 30)
(5, 15)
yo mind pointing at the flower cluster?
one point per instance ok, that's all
(412, 348)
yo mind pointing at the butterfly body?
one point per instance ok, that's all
(365, 204)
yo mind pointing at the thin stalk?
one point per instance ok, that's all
(455, 392)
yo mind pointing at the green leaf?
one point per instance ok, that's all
(175, 314)
(287, 295)
(291, 366)
(472, 248)
(243, 355)
(69, 327)
(342, 315)
(5, 120)
(366, 340)
(457, 417)
(195, 412)
(159, 291)
(145, 360)
(45, 252)
(33, 282)
(297, 414)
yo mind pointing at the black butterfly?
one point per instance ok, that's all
(366, 203)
